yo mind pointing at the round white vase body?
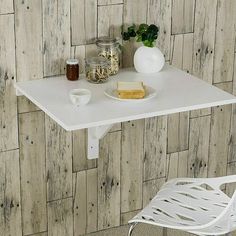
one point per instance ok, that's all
(148, 60)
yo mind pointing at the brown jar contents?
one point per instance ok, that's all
(72, 69)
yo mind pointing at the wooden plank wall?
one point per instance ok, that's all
(47, 186)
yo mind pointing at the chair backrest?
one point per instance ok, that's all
(196, 205)
(227, 218)
(218, 181)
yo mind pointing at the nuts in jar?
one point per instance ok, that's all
(109, 49)
(97, 70)
(72, 69)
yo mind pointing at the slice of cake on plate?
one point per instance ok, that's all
(131, 90)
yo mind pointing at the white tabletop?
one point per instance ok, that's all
(177, 91)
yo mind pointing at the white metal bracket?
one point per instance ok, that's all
(18, 93)
(94, 135)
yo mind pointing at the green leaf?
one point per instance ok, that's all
(144, 36)
(147, 34)
(131, 31)
(153, 28)
(126, 36)
(146, 43)
(131, 28)
(142, 28)
(132, 34)
(149, 43)
(139, 38)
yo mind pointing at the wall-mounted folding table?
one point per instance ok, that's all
(177, 91)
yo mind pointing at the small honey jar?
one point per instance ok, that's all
(72, 69)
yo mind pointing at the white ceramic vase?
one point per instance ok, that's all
(148, 60)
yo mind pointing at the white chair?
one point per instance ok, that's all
(196, 206)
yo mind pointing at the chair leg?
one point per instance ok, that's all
(132, 228)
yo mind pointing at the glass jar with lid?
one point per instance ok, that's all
(109, 49)
(72, 69)
(97, 70)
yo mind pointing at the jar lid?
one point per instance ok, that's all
(98, 61)
(107, 42)
(72, 62)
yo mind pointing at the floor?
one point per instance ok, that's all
(140, 230)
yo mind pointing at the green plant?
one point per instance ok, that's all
(147, 34)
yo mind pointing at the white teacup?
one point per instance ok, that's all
(80, 97)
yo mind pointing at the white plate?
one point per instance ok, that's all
(111, 92)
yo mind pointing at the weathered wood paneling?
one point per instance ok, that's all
(40, 234)
(176, 53)
(10, 210)
(109, 181)
(78, 30)
(25, 105)
(182, 16)
(80, 158)
(115, 127)
(91, 50)
(204, 44)
(82, 196)
(182, 51)
(135, 12)
(155, 147)
(188, 53)
(178, 124)
(232, 143)
(159, 12)
(183, 164)
(29, 32)
(56, 36)
(220, 136)
(58, 161)
(91, 16)
(132, 165)
(8, 109)
(125, 217)
(6, 6)
(85, 201)
(92, 200)
(177, 165)
(231, 170)
(78, 52)
(225, 41)
(60, 218)
(204, 39)
(172, 165)
(29, 52)
(199, 146)
(109, 24)
(83, 21)
(150, 189)
(33, 176)
(178, 132)
(79, 203)
(107, 2)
